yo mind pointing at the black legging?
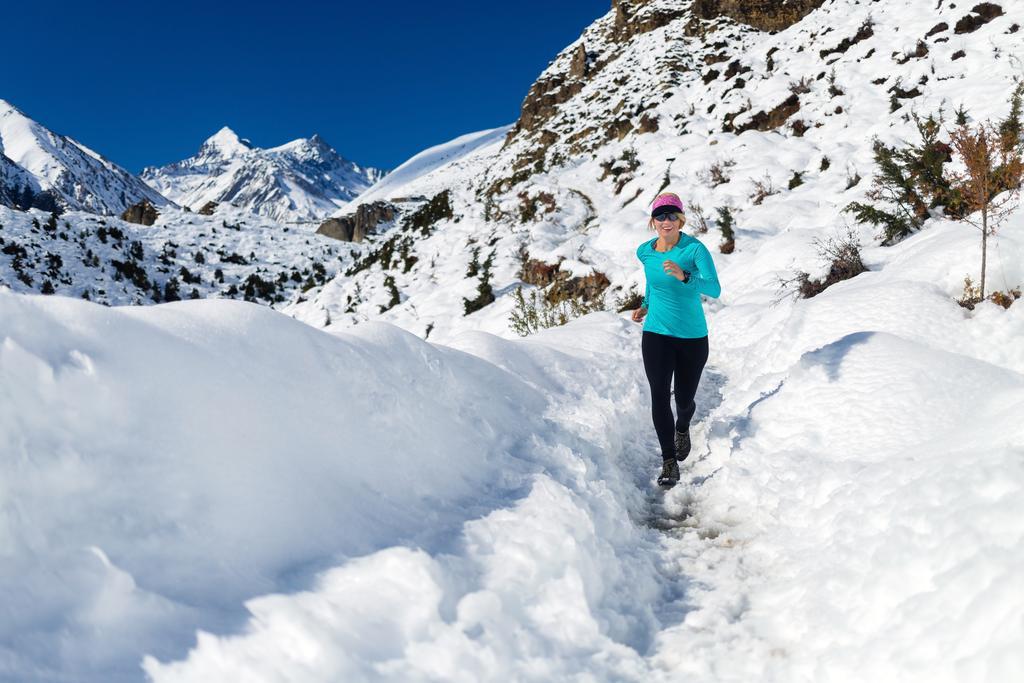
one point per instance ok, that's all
(663, 357)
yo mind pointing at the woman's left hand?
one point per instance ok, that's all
(672, 268)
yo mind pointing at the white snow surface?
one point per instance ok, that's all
(385, 508)
(213, 490)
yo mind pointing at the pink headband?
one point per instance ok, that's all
(666, 200)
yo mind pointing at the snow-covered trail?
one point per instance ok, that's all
(567, 582)
(387, 509)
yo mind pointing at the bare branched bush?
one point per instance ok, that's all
(843, 256)
(802, 86)
(700, 219)
(717, 173)
(762, 189)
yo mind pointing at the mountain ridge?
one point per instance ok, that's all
(59, 173)
(301, 180)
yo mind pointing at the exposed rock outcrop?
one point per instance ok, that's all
(980, 15)
(549, 111)
(355, 227)
(208, 208)
(141, 212)
(764, 15)
(633, 17)
(548, 92)
(562, 285)
(764, 121)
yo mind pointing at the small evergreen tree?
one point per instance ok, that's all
(1010, 127)
(396, 297)
(135, 250)
(171, 291)
(484, 291)
(187, 277)
(725, 223)
(473, 269)
(961, 116)
(911, 180)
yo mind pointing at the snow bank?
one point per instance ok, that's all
(163, 465)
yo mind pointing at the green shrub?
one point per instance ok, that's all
(537, 313)
(909, 183)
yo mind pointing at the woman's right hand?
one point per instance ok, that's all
(638, 314)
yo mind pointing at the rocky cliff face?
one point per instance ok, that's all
(355, 227)
(142, 213)
(607, 40)
(764, 15)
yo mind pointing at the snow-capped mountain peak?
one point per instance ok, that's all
(71, 175)
(225, 143)
(305, 147)
(305, 179)
(6, 107)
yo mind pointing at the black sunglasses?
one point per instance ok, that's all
(667, 217)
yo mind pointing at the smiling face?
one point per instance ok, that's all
(668, 229)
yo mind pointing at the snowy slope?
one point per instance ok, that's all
(848, 94)
(78, 178)
(300, 181)
(17, 186)
(430, 171)
(229, 254)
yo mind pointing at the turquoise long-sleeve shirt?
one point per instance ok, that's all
(674, 307)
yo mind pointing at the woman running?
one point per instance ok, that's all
(678, 269)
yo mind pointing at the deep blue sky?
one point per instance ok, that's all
(146, 83)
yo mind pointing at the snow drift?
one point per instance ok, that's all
(172, 462)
